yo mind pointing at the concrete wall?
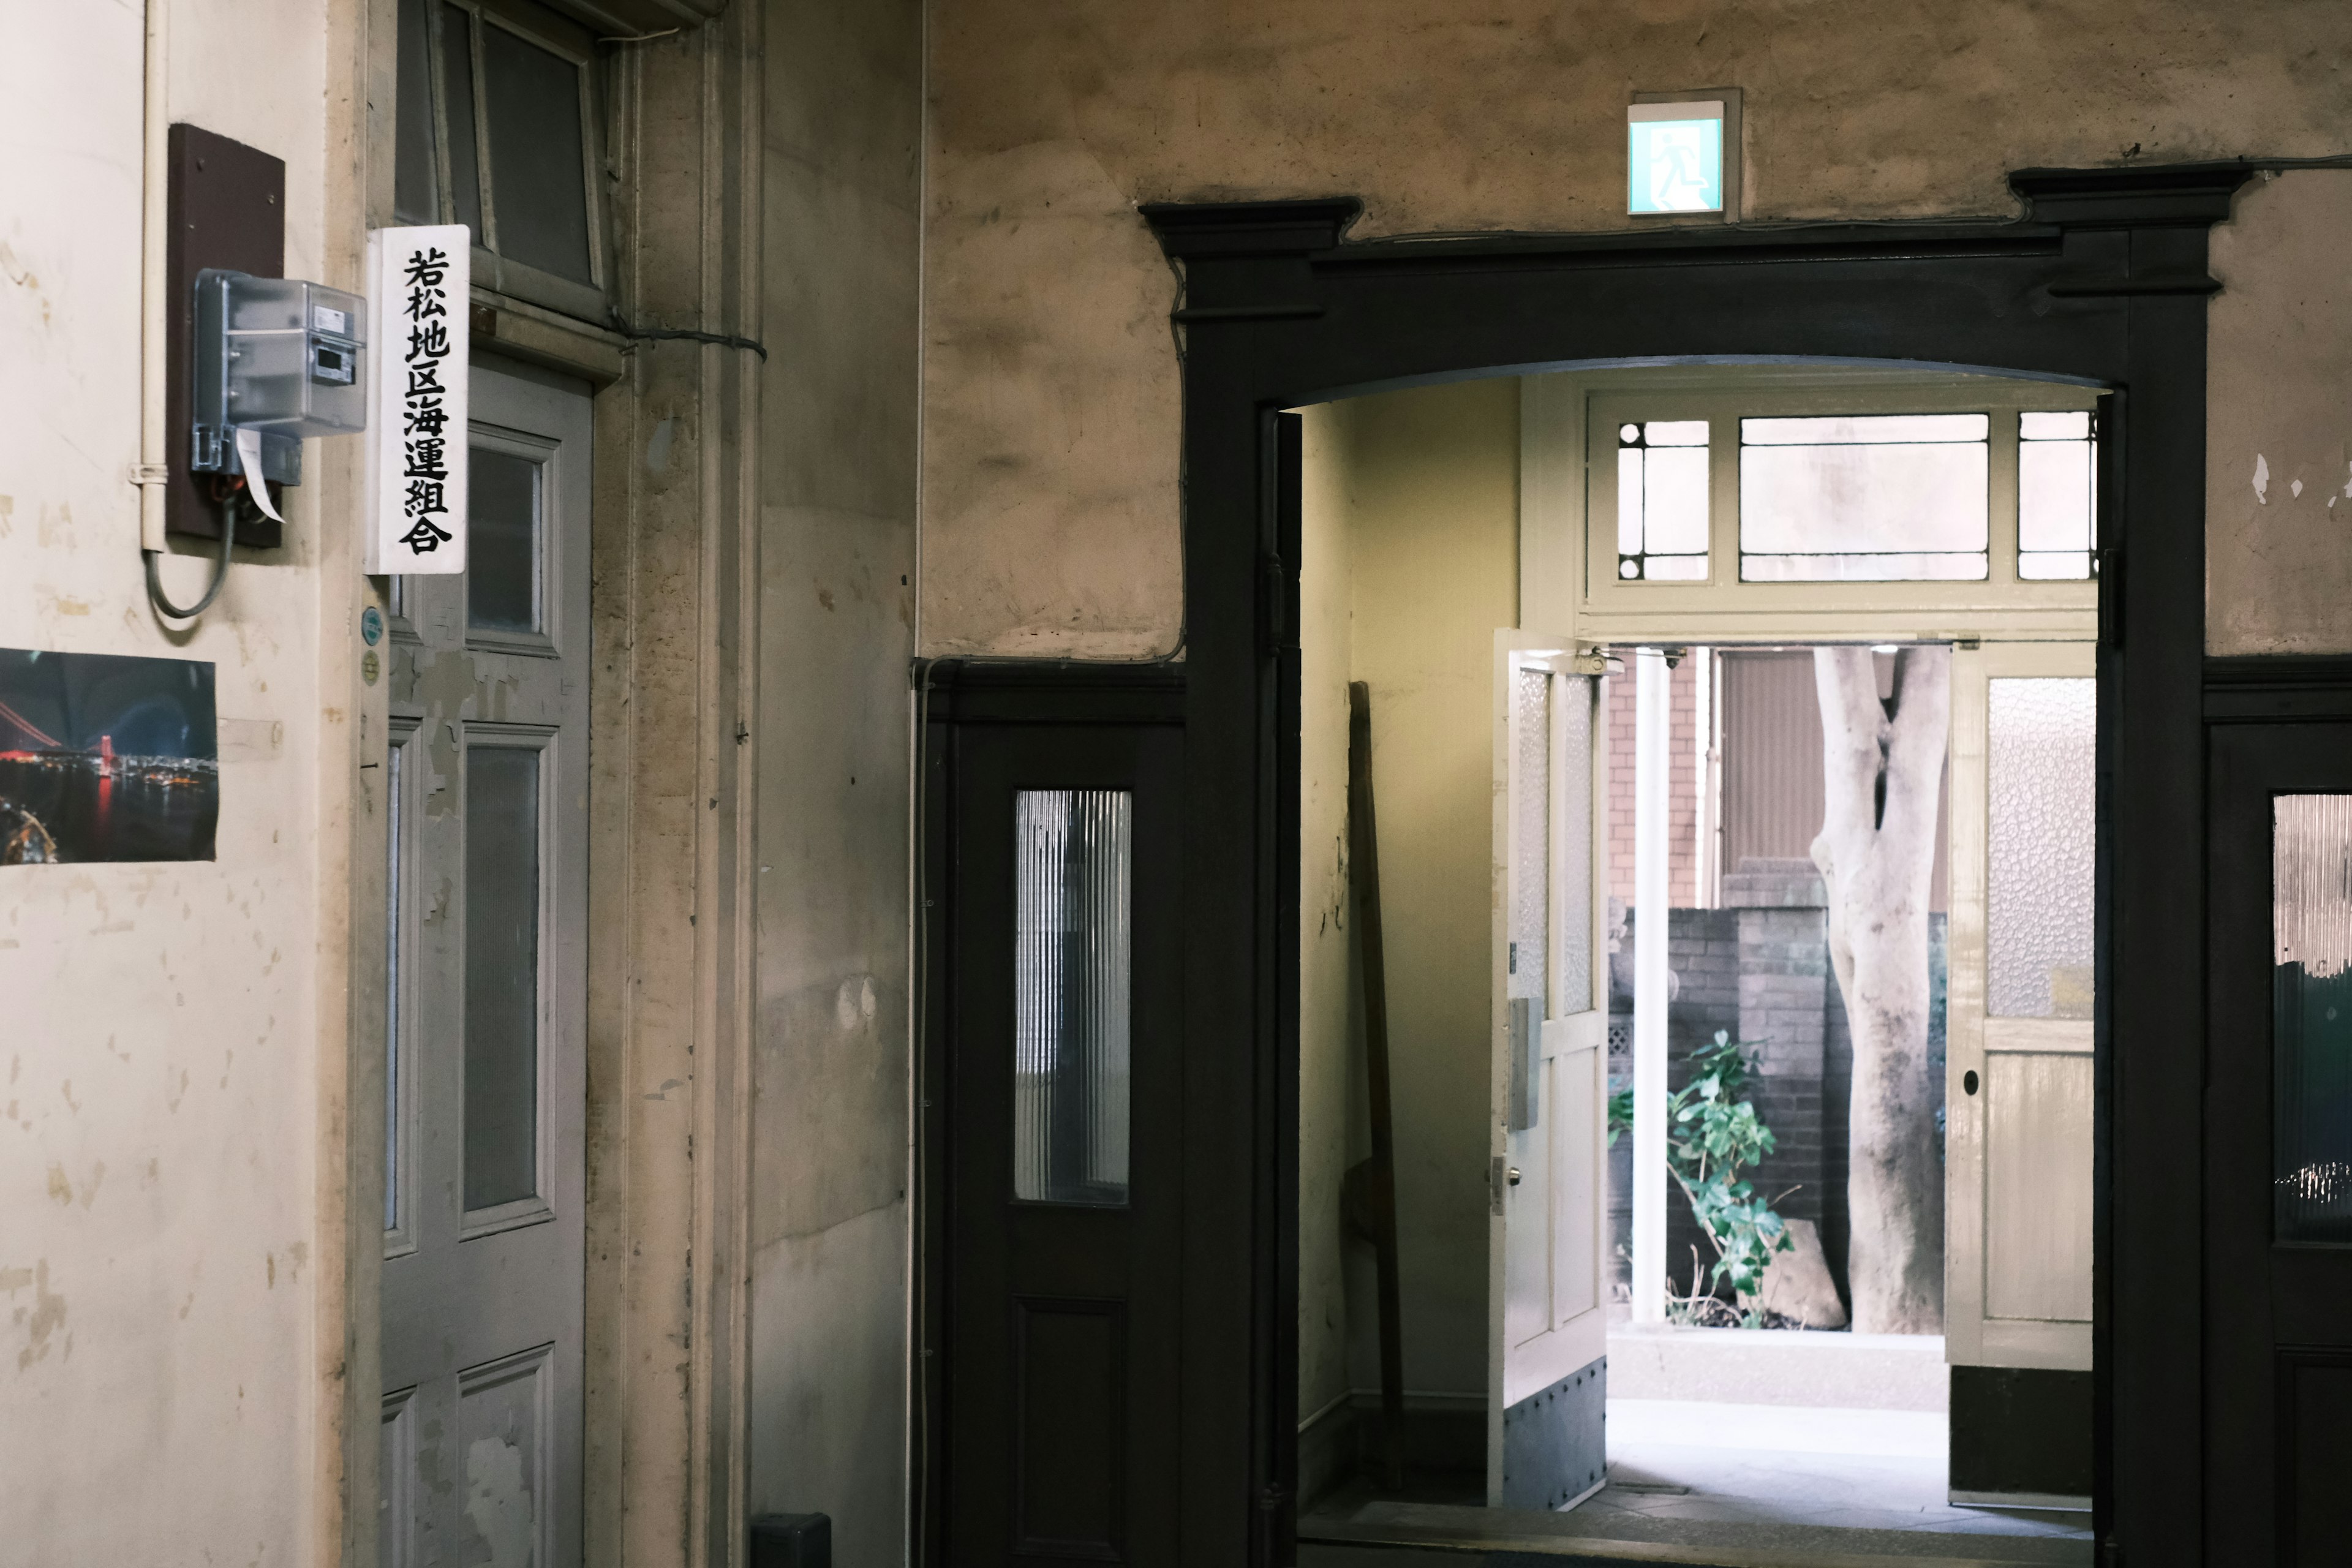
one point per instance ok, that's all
(1051, 514)
(829, 1159)
(171, 1063)
(1425, 550)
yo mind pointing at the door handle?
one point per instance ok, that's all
(1514, 1175)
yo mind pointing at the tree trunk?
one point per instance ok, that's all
(1882, 766)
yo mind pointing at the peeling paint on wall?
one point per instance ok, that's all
(2278, 558)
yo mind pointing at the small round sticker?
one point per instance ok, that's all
(369, 669)
(371, 626)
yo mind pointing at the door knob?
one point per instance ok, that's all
(1514, 1175)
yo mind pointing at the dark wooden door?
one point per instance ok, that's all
(2279, 1128)
(1062, 1142)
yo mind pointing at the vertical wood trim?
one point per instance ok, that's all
(361, 56)
(1551, 501)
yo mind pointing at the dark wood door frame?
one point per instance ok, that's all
(2102, 280)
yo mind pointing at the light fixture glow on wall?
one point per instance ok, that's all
(1673, 157)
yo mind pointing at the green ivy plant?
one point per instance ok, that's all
(1712, 1135)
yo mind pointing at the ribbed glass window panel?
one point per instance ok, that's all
(2311, 1016)
(1072, 978)
(539, 169)
(395, 772)
(1531, 837)
(502, 992)
(457, 110)
(415, 178)
(1572, 711)
(505, 493)
(2057, 495)
(1662, 501)
(1864, 498)
(2040, 840)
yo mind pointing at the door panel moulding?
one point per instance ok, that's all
(2101, 282)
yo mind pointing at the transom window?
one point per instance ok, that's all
(498, 129)
(1940, 480)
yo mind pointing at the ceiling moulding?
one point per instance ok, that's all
(636, 18)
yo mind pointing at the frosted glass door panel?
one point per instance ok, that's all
(2311, 1016)
(2042, 739)
(1531, 851)
(502, 549)
(1572, 856)
(1073, 961)
(1864, 498)
(502, 913)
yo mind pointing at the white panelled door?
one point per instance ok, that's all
(2018, 1095)
(1547, 1291)
(484, 1141)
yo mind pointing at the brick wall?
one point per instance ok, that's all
(1682, 817)
(1761, 973)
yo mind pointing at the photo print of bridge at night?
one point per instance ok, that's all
(104, 758)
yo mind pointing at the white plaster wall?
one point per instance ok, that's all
(2278, 465)
(1331, 1022)
(160, 1101)
(829, 1224)
(1413, 516)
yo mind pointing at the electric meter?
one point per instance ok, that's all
(277, 355)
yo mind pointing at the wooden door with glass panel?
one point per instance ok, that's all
(2018, 1003)
(1547, 1328)
(486, 1064)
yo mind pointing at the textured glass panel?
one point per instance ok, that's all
(539, 171)
(1073, 874)
(503, 496)
(501, 974)
(457, 105)
(394, 773)
(1662, 501)
(415, 182)
(1864, 430)
(2042, 738)
(1530, 835)
(2311, 1015)
(1572, 711)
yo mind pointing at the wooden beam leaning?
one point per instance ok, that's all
(1375, 1179)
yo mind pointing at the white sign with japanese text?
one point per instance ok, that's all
(418, 283)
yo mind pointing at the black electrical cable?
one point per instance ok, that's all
(220, 570)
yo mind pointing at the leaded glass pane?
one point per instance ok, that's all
(2057, 495)
(2042, 796)
(1662, 501)
(1072, 875)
